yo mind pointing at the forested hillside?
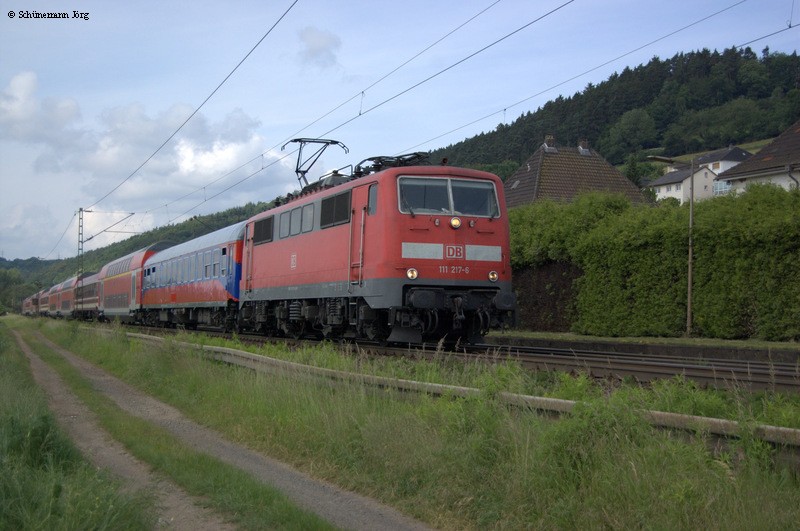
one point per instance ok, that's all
(692, 102)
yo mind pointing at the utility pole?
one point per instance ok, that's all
(79, 285)
(691, 248)
(80, 240)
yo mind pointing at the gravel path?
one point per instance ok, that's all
(339, 507)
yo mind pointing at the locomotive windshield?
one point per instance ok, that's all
(420, 195)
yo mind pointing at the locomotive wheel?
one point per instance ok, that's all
(295, 329)
(376, 331)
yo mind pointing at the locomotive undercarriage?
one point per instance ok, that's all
(430, 314)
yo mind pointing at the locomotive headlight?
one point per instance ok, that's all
(411, 273)
(493, 276)
(455, 222)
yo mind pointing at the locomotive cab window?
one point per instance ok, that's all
(424, 196)
(421, 195)
(474, 198)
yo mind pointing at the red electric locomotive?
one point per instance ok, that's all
(398, 251)
(404, 254)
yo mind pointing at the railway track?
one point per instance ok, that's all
(754, 375)
(719, 373)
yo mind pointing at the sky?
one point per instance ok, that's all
(89, 104)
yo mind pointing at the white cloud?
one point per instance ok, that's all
(320, 47)
(25, 118)
(84, 163)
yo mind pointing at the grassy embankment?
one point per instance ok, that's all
(44, 481)
(473, 463)
(230, 491)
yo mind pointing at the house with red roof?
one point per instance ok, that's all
(560, 173)
(777, 163)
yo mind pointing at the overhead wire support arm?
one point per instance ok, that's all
(107, 229)
(303, 166)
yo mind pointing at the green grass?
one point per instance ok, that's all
(474, 463)
(674, 395)
(227, 489)
(45, 483)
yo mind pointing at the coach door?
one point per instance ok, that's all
(132, 306)
(362, 201)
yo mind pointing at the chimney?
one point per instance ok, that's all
(549, 144)
(583, 148)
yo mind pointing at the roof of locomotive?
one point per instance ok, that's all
(212, 239)
(337, 182)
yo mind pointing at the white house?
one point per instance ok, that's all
(778, 163)
(677, 182)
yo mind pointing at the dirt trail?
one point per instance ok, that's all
(177, 509)
(339, 507)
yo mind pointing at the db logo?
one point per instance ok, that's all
(454, 251)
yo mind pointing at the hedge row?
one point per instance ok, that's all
(746, 263)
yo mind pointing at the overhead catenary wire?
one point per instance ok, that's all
(442, 71)
(766, 36)
(548, 89)
(360, 93)
(505, 108)
(420, 83)
(62, 236)
(159, 148)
